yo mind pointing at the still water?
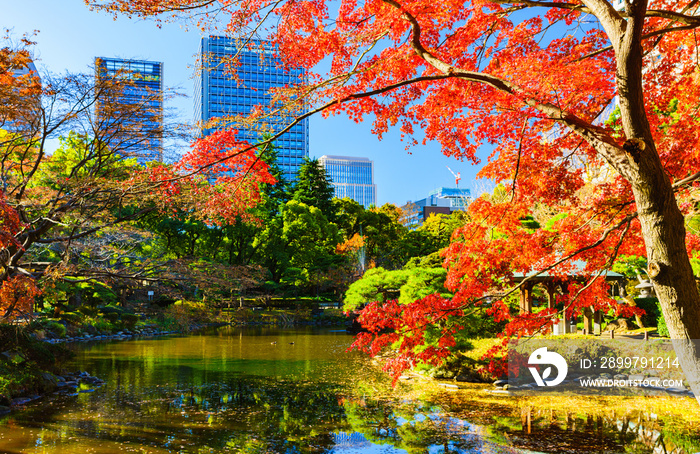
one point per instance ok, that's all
(267, 390)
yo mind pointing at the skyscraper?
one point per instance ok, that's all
(439, 201)
(142, 123)
(21, 112)
(219, 94)
(351, 177)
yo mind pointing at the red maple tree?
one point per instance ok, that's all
(88, 184)
(536, 80)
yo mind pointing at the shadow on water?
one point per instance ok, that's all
(285, 391)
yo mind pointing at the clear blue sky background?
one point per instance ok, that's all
(70, 37)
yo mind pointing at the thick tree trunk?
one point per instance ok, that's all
(663, 225)
(670, 271)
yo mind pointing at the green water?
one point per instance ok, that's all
(264, 390)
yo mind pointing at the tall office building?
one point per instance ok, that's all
(143, 122)
(351, 177)
(439, 201)
(21, 113)
(219, 94)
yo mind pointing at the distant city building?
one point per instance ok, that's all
(440, 201)
(28, 69)
(21, 118)
(145, 92)
(219, 94)
(351, 177)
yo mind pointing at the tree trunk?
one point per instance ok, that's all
(663, 225)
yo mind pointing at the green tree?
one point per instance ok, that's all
(310, 238)
(313, 187)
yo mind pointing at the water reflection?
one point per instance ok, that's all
(611, 432)
(282, 391)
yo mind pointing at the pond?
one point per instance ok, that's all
(268, 390)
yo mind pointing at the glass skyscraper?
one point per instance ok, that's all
(351, 177)
(144, 94)
(221, 92)
(439, 201)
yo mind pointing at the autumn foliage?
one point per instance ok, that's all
(589, 114)
(54, 198)
(217, 180)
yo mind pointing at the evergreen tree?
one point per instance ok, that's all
(314, 188)
(274, 195)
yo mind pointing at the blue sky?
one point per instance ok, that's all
(70, 37)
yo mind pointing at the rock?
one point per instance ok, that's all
(620, 377)
(20, 401)
(500, 382)
(681, 390)
(501, 391)
(637, 377)
(4, 410)
(86, 391)
(622, 324)
(448, 386)
(467, 379)
(404, 377)
(48, 383)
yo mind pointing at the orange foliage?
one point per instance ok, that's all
(536, 87)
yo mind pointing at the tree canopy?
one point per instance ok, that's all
(536, 80)
(91, 183)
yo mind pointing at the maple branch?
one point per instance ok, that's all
(625, 221)
(596, 136)
(665, 14)
(166, 8)
(87, 232)
(662, 31)
(688, 180)
(608, 264)
(517, 164)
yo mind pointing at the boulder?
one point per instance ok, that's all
(47, 383)
(622, 324)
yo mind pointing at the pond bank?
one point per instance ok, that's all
(268, 389)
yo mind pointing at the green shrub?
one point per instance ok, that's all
(102, 324)
(130, 320)
(661, 327)
(59, 329)
(88, 311)
(113, 317)
(652, 309)
(110, 310)
(71, 317)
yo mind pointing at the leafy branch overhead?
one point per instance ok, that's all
(533, 81)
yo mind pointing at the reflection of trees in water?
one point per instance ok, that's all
(415, 427)
(180, 405)
(547, 431)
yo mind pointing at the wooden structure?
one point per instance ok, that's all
(555, 284)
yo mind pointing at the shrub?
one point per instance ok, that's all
(661, 327)
(59, 329)
(652, 309)
(182, 314)
(71, 317)
(130, 320)
(103, 324)
(88, 311)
